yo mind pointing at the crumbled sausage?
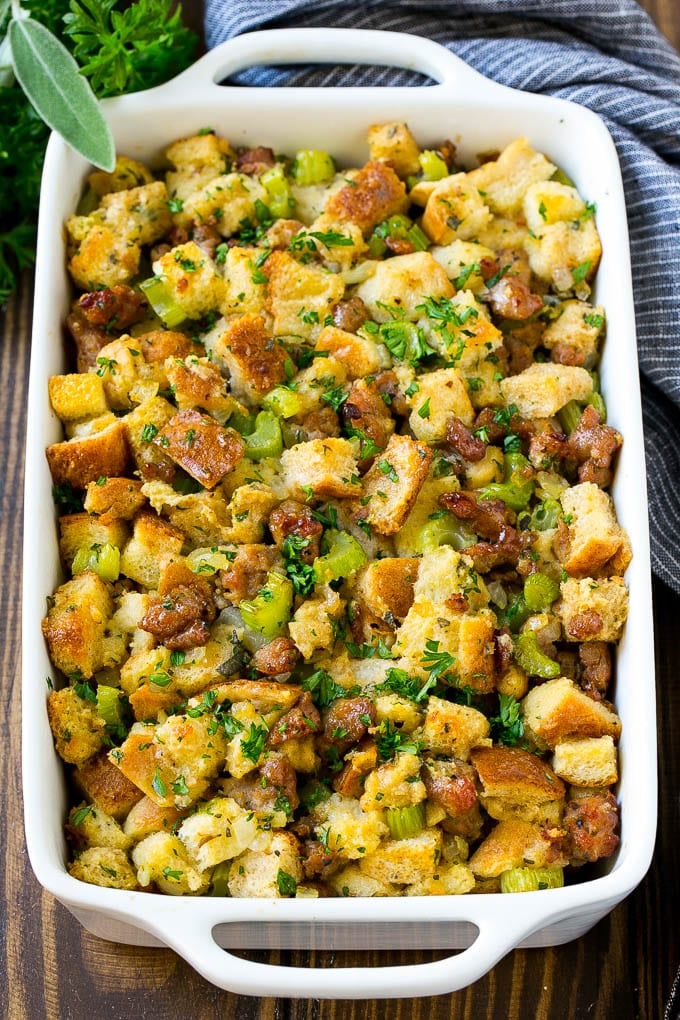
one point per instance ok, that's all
(279, 656)
(462, 440)
(346, 722)
(255, 161)
(301, 720)
(350, 314)
(180, 617)
(594, 446)
(596, 668)
(590, 824)
(293, 518)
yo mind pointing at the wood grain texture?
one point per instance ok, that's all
(51, 968)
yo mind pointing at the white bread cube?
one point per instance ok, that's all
(448, 880)
(299, 297)
(192, 279)
(104, 866)
(392, 483)
(154, 542)
(103, 256)
(505, 180)
(593, 610)
(98, 829)
(404, 861)
(360, 355)
(162, 859)
(543, 388)
(549, 202)
(140, 215)
(348, 830)
(255, 872)
(82, 531)
(453, 730)
(244, 292)
(226, 201)
(351, 881)
(559, 248)
(396, 783)
(447, 572)
(393, 143)
(576, 331)
(402, 283)
(458, 259)
(590, 761)
(440, 395)
(595, 543)
(455, 209)
(326, 466)
(218, 831)
(77, 729)
(312, 625)
(515, 844)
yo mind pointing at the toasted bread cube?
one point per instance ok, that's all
(347, 829)
(402, 283)
(103, 257)
(593, 610)
(549, 202)
(468, 637)
(351, 881)
(201, 446)
(562, 247)
(142, 425)
(595, 543)
(461, 260)
(119, 364)
(219, 831)
(393, 143)
(453, 730)
(576, 332)
(101, 782)
(204, 517)
(375, 194)
(543, 388)
(299, 297)
(256, 872)
(403, 713)
(326, 466)
(517, 784)
(448, 880)
(158, 345)
(77, 729)
(154, 542)
(404, 861)
(515, 844)
(163, 859)
(192, 278)
(104, 866)
(338, 256)
(80, 395)
(255, 360)
(395, 783)
(455, 209)
(245, 288)
(408, 540)
(197, 159)
(392, 483)
(146, 817)
(75, 624)
(198, 383)
(84, 459)
(559, 710)
(312, 625)
(505, 180)
(114, 499)
(360, 355)
(127, 173)
(446, 572)
(97, 828)
(141, 215)
(385, 586)
(440, 395)
(225, 201)
(590, 761)
(81, 531)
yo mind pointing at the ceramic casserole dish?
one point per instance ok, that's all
(479, 116)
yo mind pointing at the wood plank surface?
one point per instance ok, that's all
(50, 967)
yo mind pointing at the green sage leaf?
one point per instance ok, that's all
(49, 76)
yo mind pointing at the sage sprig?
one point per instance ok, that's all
(61, 96)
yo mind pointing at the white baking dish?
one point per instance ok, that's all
(479, 116)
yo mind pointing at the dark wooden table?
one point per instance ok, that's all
(622, 969)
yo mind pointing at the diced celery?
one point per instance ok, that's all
(517, 488)
(432, 165)
(418, 238)
(376, 246)
(404, 822)
(540, 591)
(569, 416)
(515, 613)
(266, 440)
(243, 423)
(219, 882)
(280, 200)
(285, 403)
(103, 559)
(596, 400)
(161, 299)
(109, 707)
(530, 879)
(532, 660)
(312, 166)
(269, 612)
(344, 556)
(88, 203)
(444, 530)
(545, 515)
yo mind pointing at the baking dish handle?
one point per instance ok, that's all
(194, 941)
(328, 46)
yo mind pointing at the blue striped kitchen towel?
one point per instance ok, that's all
(604, 54)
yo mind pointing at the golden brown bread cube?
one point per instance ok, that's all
(255, 359)
(299, 296)
(385, 586)
(505, 180)
(453, 730)
(516, 844)
(198, 383)
(77, 729)
(104, 866)
(256, 872)
(590, 761)
(146, 817)
(201, 446)
(75, 624)
(106, 785)
(84, 459)
(154, 542)
(142, 425)
(375, 194)
(393, 143)
(403, 861)
(455, 209)
(103, 258)
(517, 784)
(81, 531)
(542, 389)
(80, 395)
(559, 710)
(392, 483)
(590, 541)
(360, 355)
(327, 467)
(114, 499)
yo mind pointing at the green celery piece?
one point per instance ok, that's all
(532, 660)
(159, 296)
(104, 560)
(279, 198)
(530, 879)
(445, 530)
(63, 98)
(269, 612)
(266, 440)
(109, 707)
(540, 591)
(569, 416)
(432, 165)
(344, 556)
(404, 822)
(312, 166)
(283, 402)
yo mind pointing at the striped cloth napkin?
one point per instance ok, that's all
(604, 54)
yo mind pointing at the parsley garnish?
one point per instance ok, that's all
(299, 572)
(252, 746)
(287, 885)
(507, 727)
